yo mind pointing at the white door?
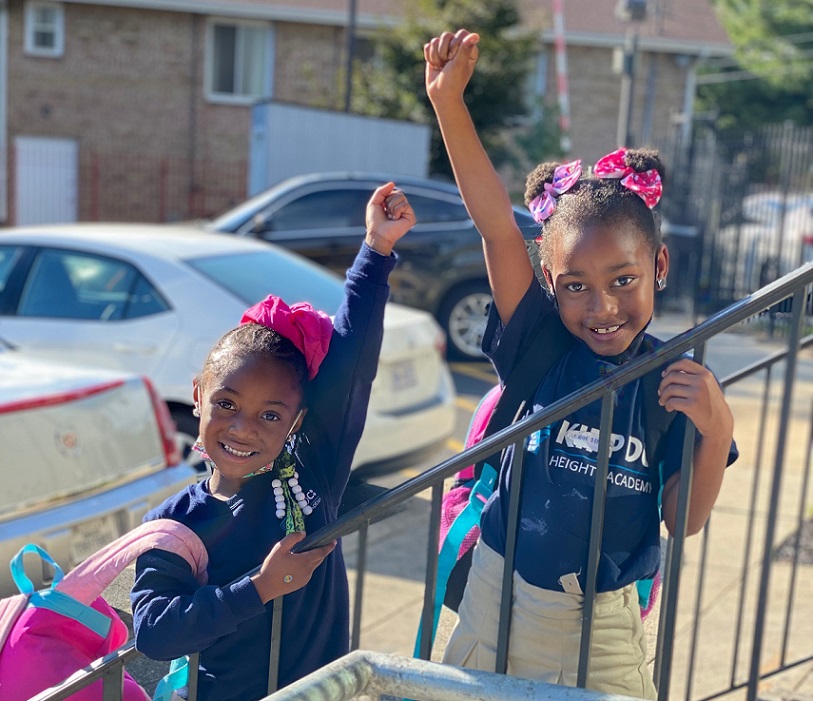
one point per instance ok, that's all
(46, 180)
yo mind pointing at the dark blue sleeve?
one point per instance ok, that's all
(339, 395)
(502, 343)
(173, 615)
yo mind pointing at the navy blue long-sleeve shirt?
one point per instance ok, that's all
(225, 620)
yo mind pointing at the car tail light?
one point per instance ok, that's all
(166, 426)
(440, 343)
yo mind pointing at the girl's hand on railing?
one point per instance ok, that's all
(283, 571)
(692, 389)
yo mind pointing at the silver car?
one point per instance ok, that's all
(86, 453)
(153, 299)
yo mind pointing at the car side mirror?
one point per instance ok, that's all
(261, 223)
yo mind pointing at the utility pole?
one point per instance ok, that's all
(350, 50)
(628, 11)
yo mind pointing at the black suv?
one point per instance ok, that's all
(442, 270)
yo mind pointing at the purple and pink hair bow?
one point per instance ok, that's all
(308, 329)
(646, 185)
(565, 177)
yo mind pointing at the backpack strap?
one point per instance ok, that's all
(544, 347)
(657, 420)
(92, 576)
(52, 599)
(467, 519)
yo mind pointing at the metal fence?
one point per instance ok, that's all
(750, 642)
(738, 211)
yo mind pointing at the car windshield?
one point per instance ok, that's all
(254, 275)
(234, 217)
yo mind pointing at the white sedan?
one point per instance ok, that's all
(86, 453)
(153, 300)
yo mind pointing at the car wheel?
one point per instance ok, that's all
(186, 435)
(463, 315)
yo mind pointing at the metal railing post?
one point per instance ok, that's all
(667, 623)
(770, 529)
(596, 535)
(507, 594)
(428, 612)
(358, 593)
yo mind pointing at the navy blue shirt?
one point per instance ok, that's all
(560, 462)
(225, 620)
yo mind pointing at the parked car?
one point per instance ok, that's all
(442, 269)
(86, 453)
(154, 299)
(773, 237)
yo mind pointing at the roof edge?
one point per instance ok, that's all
(645, 43)
(245, 11)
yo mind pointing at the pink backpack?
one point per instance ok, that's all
(47, 635)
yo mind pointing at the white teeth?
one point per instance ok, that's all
(238, 453)
(609, 329)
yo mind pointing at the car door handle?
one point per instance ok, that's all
(134, 348)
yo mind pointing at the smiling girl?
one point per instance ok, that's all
(282, 401)
(603, 261)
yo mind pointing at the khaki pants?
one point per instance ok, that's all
(546, 630)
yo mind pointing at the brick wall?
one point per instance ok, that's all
(129, 89)
(309, 67)
(595, 93)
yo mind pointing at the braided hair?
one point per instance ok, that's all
(593, 199)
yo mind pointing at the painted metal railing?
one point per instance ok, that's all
(796, 287)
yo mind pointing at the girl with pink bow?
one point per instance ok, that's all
(603, 261)
(282, 400)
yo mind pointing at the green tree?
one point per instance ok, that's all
(771, 78)
(392, 85)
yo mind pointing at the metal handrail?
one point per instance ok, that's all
(675, 347)
(110, 667)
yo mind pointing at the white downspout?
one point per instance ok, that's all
(4, 155)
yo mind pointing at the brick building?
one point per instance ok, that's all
(141, 109)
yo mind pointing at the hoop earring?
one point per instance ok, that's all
(196, 411)
(661, 284)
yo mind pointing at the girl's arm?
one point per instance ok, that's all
(692, 389)
(173, 615)
(450, 61)
(340, 393)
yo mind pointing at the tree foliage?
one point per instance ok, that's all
(772, 39)
(772, 78)
(392, 85)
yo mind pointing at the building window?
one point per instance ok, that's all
(239, 61)
(44, 29)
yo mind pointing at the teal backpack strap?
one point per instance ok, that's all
(24, 584)
(467, 519)
(177, 678)
(52, 599)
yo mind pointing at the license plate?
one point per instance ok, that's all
(404, 375)
(88, 537)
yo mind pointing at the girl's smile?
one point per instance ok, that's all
(247, 413)
(604, 279)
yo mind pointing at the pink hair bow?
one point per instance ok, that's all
(565, 177)
(308, 329)
(646, 185)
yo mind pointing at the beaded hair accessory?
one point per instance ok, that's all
(647, 184)
(565, 177)
(291, 502)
